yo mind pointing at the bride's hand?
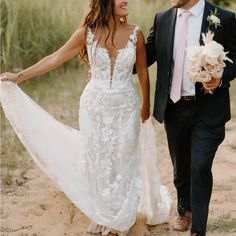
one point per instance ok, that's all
(145, 113)
(10, 77)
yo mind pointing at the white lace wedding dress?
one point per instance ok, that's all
(109, 167)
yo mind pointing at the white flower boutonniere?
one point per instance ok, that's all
(213, 18)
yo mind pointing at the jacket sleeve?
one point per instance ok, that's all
(151, 44)
(150, 47)
(230, 46)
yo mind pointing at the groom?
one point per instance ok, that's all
(194, 121)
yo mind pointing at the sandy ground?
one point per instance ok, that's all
(33, 206)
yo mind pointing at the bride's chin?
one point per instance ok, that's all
(123, 15)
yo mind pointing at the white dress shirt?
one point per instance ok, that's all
(193, 36)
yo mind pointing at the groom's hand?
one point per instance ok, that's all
(212, 84)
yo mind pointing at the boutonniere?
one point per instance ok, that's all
(213, 18)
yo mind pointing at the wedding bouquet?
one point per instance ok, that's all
(207, 61)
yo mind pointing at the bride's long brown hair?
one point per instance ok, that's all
(98, 18)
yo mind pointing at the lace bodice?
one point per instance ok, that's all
(107, 72)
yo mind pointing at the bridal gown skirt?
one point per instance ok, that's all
(108, 168)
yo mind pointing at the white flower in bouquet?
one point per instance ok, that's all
(216, 71)
(213, 50)
(194, 53)
(195, 71)
(210, 60)
(203, 76)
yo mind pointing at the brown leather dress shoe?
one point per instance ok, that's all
(182, 223)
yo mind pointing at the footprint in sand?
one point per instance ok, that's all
(40, 209)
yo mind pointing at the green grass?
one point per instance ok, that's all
(223, 187)
(223, 224)
(32, 29)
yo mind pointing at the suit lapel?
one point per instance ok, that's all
(205, 23)
(171, 33)
(204, 29)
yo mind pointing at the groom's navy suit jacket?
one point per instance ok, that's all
(213, 109)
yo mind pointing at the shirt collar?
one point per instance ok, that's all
(195, 10)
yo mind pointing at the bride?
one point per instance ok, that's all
(99, 166)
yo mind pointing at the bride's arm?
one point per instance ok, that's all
(69, 50)
(142, 70)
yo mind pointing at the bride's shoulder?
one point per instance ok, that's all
(132, 27)
(136, 33)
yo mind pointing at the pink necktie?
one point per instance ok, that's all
(175, 93)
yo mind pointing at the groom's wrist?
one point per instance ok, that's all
(146, 105)
(221, 82)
